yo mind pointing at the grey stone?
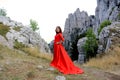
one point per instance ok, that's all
(26, 35)
(50, 69)
(80, 44)
(60, 78)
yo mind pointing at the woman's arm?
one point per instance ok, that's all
(61, 36)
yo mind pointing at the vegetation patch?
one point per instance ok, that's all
(4, 29)
(17, 28)
(35, 52)
(91, 44)
(110, 60)
(103, 24)
(19, 45)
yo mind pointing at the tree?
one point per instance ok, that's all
(91, 44)
(3, 12)
(33, 25)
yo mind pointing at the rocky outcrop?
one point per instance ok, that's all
(107, 10)
(108, 36)
(76, 24)
(23, 34)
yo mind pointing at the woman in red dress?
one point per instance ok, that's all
(61, 59)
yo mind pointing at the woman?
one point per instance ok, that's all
(61, 59)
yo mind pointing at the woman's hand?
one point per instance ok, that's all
(60, 42)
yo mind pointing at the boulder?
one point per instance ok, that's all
(80, 44)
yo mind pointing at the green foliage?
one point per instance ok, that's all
(17, 28)
(91, 44)
(3, 12)
(33, 25)
(18, 45)
(4, 29)
(103, 24)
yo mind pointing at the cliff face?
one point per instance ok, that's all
(23, 34)
(78, 22)
(107, 10)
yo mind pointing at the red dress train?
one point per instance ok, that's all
(61, 59)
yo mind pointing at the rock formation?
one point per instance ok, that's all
(23, 34)
(78, 22)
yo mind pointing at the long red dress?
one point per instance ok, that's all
(61, 59)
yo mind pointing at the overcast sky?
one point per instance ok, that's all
(48, 13)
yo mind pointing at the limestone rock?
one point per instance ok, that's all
(76, 24)
(24, 34)
(80, 44)
(107, 35)
(60, 78)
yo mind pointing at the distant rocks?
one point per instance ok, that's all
(23, 34)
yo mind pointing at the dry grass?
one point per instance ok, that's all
(35, 52)
(109, 61)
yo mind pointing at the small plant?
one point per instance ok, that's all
(17, 28)
(91, 44)
(3, 12)
(4, 29)
(103, 24)
(33, 25)
(31, 74)
(18, 45)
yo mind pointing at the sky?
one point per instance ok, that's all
(48, 13)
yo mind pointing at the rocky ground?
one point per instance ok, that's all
(16, 65)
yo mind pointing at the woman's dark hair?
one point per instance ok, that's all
(59, 29)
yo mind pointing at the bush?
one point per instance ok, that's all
(19, 45)
(103, 24)
(17, 28)
(33, 25)
(91, 44)
(4, 29)
(3, 12)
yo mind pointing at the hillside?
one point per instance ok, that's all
(18, 65)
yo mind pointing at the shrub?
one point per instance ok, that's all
(91, 44)
(4, 29)
(103, 24)
(33, 25)
(18, 45)
(3, 12)
(16, 28)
